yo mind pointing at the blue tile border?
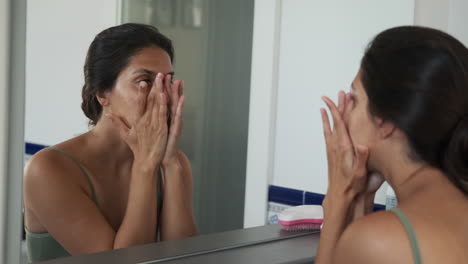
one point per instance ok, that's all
(313, 198)
(31, 148)
(293, 197)
(286, 196)
(379, 207)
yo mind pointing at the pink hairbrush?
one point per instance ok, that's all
(302, 217)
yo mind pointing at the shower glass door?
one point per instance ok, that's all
(213, 43)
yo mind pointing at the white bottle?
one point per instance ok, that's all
(391, 198)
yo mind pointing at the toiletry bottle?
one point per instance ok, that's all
(391, 198)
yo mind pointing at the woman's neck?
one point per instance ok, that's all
(408, 178)
(105, 141)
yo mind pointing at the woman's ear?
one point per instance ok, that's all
(386, 129)
(103, 98)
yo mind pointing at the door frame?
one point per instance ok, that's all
(263, 107)
(12, 89)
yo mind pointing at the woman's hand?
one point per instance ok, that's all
(147, 136)
(347, 164)
(176, 97)
(347, 175)
(177, 220)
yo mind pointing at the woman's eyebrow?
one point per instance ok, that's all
(144, 71)
(150, 72)
(352, 86)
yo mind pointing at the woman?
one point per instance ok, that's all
(125, 182)
(406, 118)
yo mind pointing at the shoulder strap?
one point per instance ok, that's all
(82, 170)
(412, 236)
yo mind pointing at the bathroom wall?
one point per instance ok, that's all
(321, 45)
(58, 36)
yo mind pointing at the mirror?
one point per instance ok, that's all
(212, 41)
(213, 45)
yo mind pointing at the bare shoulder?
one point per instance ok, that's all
(42, 166)
(376, 238)
(50, 164)
(49, 171)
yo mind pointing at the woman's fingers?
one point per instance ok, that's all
(337, 120)
(161, 111)
(156, 89)
(181, 89)
(153, 109)
(348, 106)
(175, 97)
(359, 175)
(167, 83)
(325, 123)
(178, 117)
(341, 102)
(158, 84)
(152, 99)
(142, 98)
(175, 131)
(360, 161)
(339, 127)
(169, 89)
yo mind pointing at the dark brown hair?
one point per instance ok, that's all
(109, 53)
(417, 78)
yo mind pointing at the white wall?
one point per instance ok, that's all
(321, 47)
(59, 33)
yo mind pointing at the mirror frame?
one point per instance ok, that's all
(14, 16)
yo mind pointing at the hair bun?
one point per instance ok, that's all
(455, 160)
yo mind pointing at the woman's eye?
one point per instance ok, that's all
(147, 81)
(144, 83)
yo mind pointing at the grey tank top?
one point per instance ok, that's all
(411, 235)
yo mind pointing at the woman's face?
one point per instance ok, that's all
(362, 127)
(141, 71)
